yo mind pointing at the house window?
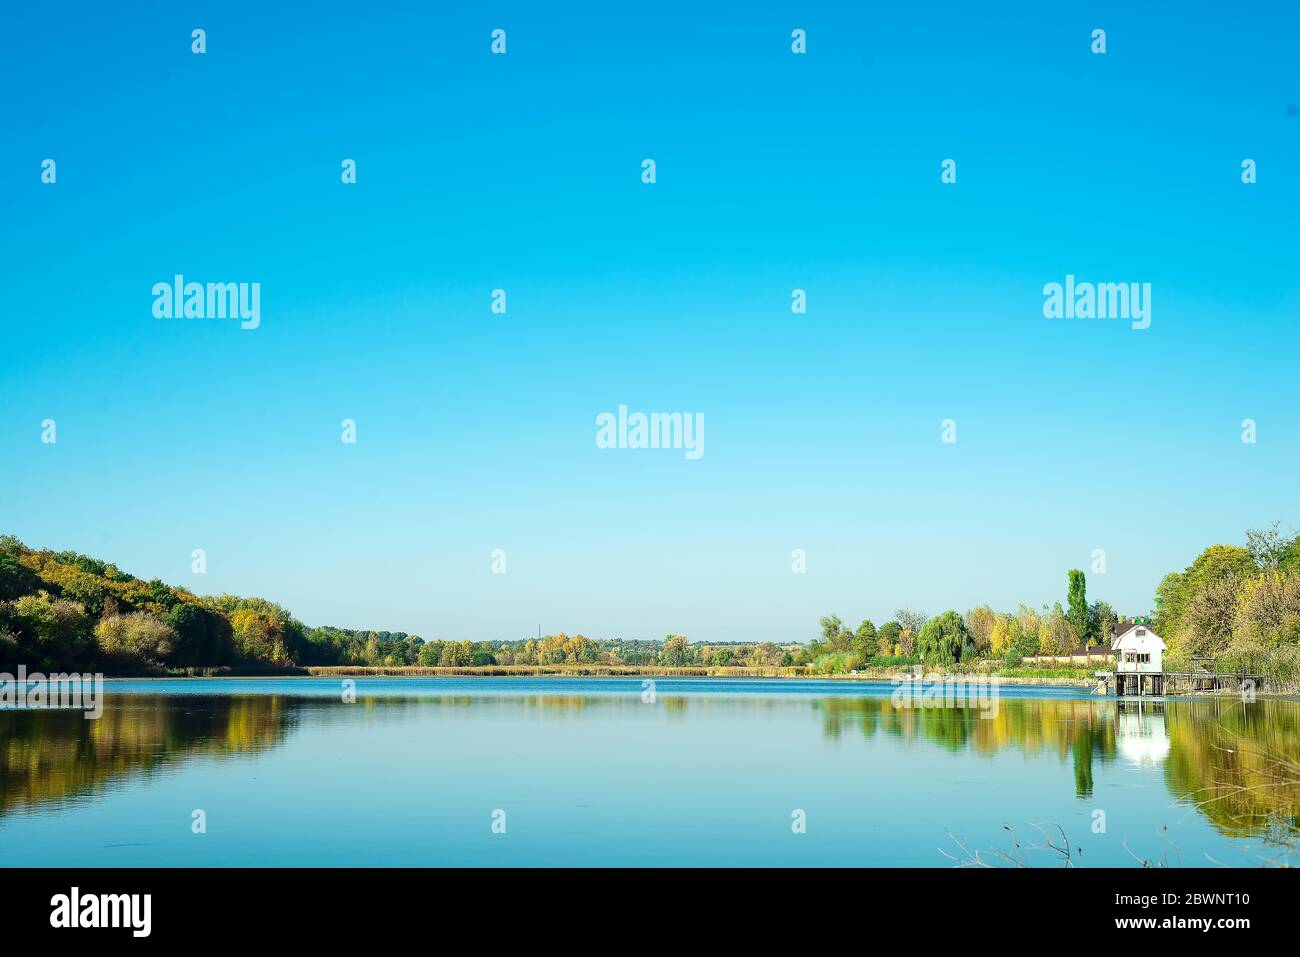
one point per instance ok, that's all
(1142, 632)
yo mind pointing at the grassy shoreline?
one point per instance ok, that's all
(1064, 678)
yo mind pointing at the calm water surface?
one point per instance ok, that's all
(587, 773)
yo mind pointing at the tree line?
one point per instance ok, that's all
(67, 611)
(951, 638)
(63, 610)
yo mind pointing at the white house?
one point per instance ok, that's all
(1138, 649)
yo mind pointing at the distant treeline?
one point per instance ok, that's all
(66, 611)
(674, 651)
(63, 610)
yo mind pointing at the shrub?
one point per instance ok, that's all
(136, 636)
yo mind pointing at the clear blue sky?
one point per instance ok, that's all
(522, 171)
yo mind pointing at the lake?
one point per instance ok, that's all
(591, 772)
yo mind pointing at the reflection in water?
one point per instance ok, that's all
(1141, 732)
(49, 757)
(1238, 763)
(1079, 728)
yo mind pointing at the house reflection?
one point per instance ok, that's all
(1140, 732)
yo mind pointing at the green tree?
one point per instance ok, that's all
(55, 631)
(203, 638)
(9, 655)
(865, 644)
(16, 579)
(835, 636)
(1024, 642)
(945, 640)
(1176, 589)
(1078, 599)
(1101, 622)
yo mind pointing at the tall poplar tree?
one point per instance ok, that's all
(1078, 614)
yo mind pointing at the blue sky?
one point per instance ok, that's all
(775, 171)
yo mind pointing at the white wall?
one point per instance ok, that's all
(1141, 644)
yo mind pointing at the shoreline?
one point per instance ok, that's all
(632, 671)
(595, 671)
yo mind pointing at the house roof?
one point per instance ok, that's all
(1124, 628)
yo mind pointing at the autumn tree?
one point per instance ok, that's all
(980, 622)
(1056, 635)
(676, 651)
(136, 636)
(53, 631)
(1005, 629)
(888, 638)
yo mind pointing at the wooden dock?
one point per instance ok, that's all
(1129, 684)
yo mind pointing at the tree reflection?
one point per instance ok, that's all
(1237, 762)
(54, 756)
